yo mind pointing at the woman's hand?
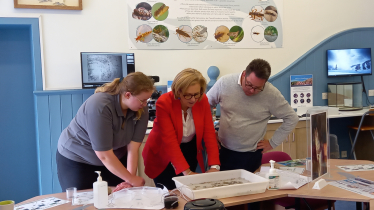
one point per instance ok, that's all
(121, 186)
(137, 181)
(211, 170)
(188, 172)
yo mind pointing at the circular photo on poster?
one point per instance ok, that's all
(236, 33)
(271, 13)
(295, 101)
(142, 11)
(308, 95)
(184, 33)
(143, 33)
(302, 95)
(257, 33)
(302, 101)
(271, 34)
(257, 13)
(160, 11)
(200, 33)
(295, 95)
(160, 33)
(221, 34)
(308, 100)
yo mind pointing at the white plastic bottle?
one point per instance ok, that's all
(100, 192)
(273, 177)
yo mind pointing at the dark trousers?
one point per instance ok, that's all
(250, 161)
(81, 175)
(189, 151)
(231, 160)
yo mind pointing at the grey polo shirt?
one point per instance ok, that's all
(98, 127)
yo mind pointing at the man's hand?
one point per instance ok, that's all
(188, 172)
(211, 170)
(264, 145)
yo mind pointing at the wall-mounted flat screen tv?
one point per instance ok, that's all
(99, 68)
(349, 62)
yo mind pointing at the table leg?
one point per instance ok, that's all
(328, 204)
(358, 206)
(297, 203)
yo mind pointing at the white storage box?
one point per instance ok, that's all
(257, 184)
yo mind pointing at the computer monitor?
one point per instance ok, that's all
(349, 62)
(99, 68)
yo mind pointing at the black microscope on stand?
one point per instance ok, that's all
(152, 101)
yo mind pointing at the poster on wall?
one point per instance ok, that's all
(318, 131)
(205, 24)
(301, 90)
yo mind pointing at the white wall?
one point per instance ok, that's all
(102, 27)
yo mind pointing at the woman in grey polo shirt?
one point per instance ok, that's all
(106, 134)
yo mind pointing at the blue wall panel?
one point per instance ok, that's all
(44, 145)
(66, 111)
(56, 109)
(55, 128)
(18, 150)
(77, 101)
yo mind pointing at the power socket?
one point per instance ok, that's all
(344, 154)
(371, 92)
(324, 95)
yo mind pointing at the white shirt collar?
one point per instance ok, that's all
(239, 79)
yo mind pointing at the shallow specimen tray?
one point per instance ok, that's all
(257, 184)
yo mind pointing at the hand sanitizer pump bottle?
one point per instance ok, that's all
(273, 177)
(100, 192)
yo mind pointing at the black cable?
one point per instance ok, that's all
(306, 203)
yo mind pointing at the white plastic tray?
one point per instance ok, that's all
(257, 184)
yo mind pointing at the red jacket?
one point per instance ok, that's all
(162, 146)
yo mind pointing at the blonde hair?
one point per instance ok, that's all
(135, 83)
(185, 79)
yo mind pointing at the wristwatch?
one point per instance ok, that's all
(215, 166)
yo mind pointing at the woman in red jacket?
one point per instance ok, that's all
(183, 120)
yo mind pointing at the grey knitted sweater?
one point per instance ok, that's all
(244, 118)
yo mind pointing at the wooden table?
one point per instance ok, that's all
(328, 193)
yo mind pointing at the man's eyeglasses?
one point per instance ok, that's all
(189, 96)
(141, 101)
(251, 87)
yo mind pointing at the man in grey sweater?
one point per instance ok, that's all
(247, 102)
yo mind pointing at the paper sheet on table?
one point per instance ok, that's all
(357, 185)
(293, 169)
(45, 203)
(83, 198)
(138, 198)
(287, 180)
(362, 167)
